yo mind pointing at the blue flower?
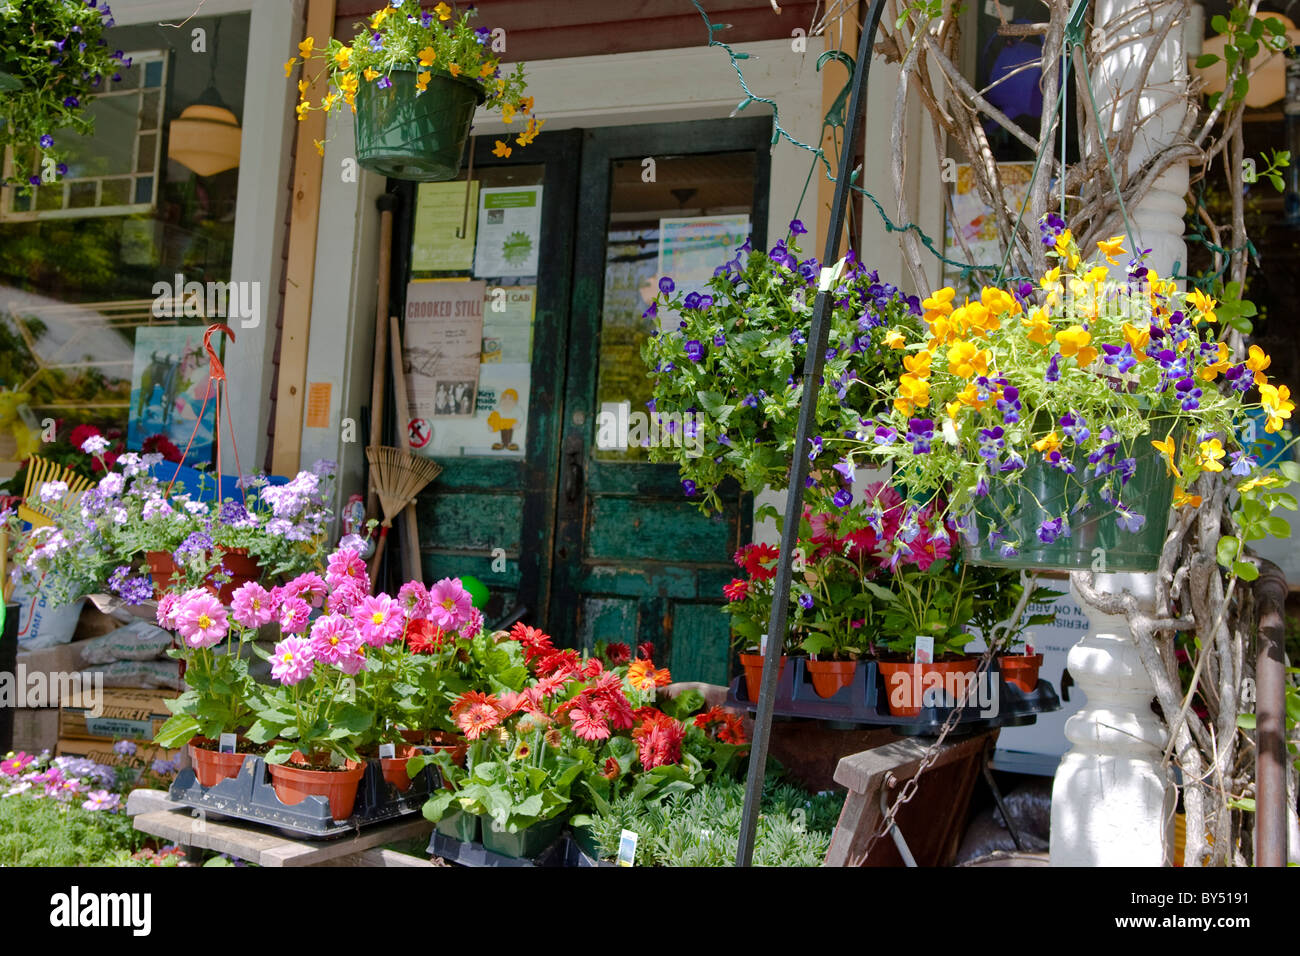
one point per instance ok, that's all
(884, 435)
(1242, 464)
(920, 432)
(384, 83)
(692, 300)
(816, 443)
(806, 601)
(797, 228)
(688, 487)
(694, 350)
(71, 102)
(666, 285)
(1128, 520)
(1054, 368)
(845, 467)
(843, 498)
(376, 42)
(651, 312)
(1049, 531)
(47, 141)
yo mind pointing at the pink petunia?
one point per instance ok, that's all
(451, 604)
(309, 586)
(294, 614)
(333, 638)
(200, 619)
(292, 660)
(379, 620)
(251, 605)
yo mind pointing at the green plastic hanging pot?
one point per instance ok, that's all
(1096, 541)
(415, 136)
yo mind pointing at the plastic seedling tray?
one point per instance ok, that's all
(476, 854)
(250, 796)
(863, 702)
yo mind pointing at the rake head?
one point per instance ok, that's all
(398, 476)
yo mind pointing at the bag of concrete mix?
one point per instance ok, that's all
(138, 641)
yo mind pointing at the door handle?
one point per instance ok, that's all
(573, 483)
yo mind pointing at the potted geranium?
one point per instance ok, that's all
(1060, 423)
(414, 79)
(53, 61)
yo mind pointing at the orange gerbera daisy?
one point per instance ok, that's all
(476, 713)
(643, 676)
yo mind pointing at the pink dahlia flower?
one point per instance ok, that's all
(310, 587)
(294, 613)
(345, 565)
(345, 596)
(166, 615)
(292, 660)
(451, 604)
(379, 620)
(414, 598)
(333, 638)
(200, 619)
(251, 605)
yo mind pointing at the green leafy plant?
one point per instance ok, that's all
(53, 61)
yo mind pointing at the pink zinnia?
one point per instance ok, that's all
(414, 598)
(332, 638)
(378, 619)
(200, 619)
(451, 604)
(309, 587)
(251, 605)
(345, 565)
(294, 613)
(292, 660)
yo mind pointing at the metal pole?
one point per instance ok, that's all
(812, 374)
(1270, 719)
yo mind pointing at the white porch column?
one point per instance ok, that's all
(1112, 802)
(1161, 107)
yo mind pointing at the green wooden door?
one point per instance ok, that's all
(491, 513)
(634, 559)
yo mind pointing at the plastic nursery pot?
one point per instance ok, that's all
(1021, 670)
(415, 136)
(242, 569)
(829, 676)
(1045, 493)
(293, 785)
(525, 844)
(211, 766)
(459, 825)
(394, 768)
(753, 665)
(585, 837)
(906, 681)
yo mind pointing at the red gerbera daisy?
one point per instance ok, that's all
(758, 559)
(617, 653)
(659, 741)
(588, 723)
(423, 637)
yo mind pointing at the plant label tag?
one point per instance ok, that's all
(924, 649)
(1029, 649)
(226, 744)
(627, 848)
(387, 751)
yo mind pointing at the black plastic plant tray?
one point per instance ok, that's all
(250, 796)
(863, 702)
(476, 854)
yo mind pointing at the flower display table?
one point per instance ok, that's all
(156, 815)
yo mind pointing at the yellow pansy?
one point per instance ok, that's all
(1182, 499)
(327, 102)
(894, 339)
(453, 69)
(1257, 360)
(998, 301)
(302, 109)
(443, 11)
(1209, 453)
(302, 86)
(904, 407)
(915, 390)
(970, 395)
(1261, 481)
(343, 57)
(1219, 365)
(1168, 448)
(501, 149)
(966, 360)
(1111, 247)
(370, 74)
(1048, 444)
(427, 56)
(320, 146)
(486, 70)
(306, 46)
(1204, 305)
(288, 66)
(380, 16)
(1051, 284)
(1074, 342)
(1276, 399)
(526, 104)
(422, 80)
(938, 304)
(1137, 338)
(507, 112)
(1040, 329)
(918, 364)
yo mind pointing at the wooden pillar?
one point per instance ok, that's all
(301, 268)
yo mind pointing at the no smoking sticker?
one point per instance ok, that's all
(419, 432)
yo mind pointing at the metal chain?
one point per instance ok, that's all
(931, 755)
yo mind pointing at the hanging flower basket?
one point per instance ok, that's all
(406, 134)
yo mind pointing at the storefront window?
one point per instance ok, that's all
(85, 333)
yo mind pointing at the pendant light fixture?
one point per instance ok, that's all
(206, 136)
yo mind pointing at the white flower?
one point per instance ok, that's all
(949, 432)
(95, 445)
(53, 491)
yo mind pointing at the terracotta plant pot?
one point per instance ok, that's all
(905, 681)
(212, 767)
(753, 665)
(1021, 670)
(829, 676)
(293, 785)
(394, 768)
(242, 568)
